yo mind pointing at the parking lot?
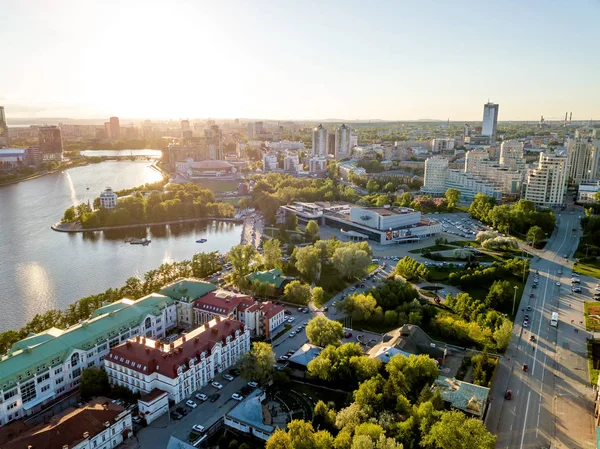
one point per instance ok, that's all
(460, 224)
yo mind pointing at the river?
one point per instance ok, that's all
(41, 269)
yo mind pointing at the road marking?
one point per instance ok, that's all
(540, 323)
(525, 420)
(542, 382)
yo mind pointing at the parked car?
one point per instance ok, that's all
(299, 309)
(292, 334)
(215, 397)
(136, 419)
(198, 428)
(558, 284)
(228, 377)
(528, 307)
(252, 384)
(201, 397)
(237, 397)
(182, 411)
(217, 385)
(176, 415)
(508, 395)
(191, 404)
(348, 335)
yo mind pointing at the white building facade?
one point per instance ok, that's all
(490, 120)
(319, 141)
(436, 169)
(343, 147)
(108, 199)
(547, 184)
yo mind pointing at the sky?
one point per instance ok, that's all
(343, 59)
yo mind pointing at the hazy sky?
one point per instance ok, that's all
(394, 60)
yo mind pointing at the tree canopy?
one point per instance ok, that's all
(257, 364)
(322, 331)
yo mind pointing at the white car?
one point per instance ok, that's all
(201, 397)
(558, 284)
(292, 334)
(252, 384)
(191, 403)
(237, 397)
(198, 428)
(228, 377)
(217, 385)
(291, 319)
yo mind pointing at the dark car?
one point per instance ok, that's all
(531, 295)
(182, 411)
(348, 335)
(534, 286)
(215, 397)
(176, 415)
(325, 309)
(508, 395)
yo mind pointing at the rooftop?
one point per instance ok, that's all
(221, 302)
(66, 429)
(463, 396)
(210, 165)
(146, 356)
(388, 211)
(273, 276)
(250, 412)
(153, 395)
(187, 289)
(305, 354)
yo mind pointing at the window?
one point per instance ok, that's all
(103, 347)
(59, 380)
(11, 406)
(113, 343)
(76, 373)
(90, 354)
(148, 323)
(60, 390)
(43, 377)
(58, 370)
(28, 391)
(74, 360)
(45, 388)
(90, 364)
(10, 394)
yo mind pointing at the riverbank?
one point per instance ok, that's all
(76, 227)
(48, 172)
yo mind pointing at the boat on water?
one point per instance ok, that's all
(143, 241)
(201, 241)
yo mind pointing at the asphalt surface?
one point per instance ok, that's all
(551, 402)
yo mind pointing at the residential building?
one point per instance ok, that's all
(44, 366)
(304, 355)
(511, 155)
(583, 152)
(343, 144)
(353, 140)
(182, 367)
(284, 145)
(152, 405)
(274, 277)
(270, 162)
(317, 165)
(490, 120)
(469, 398)
(467, 130)
(473, 159)
(108, 199)
(50, 143)
(185, 292)
(470, 185)
(214, 142)
(439, 145)
(115, 128)
(547, 183)
(291, 162)
(13, 158)
(435, 175)
(331, 144)
(248, 416)
(98, 424)
(586, 193)
(4, 140)
(319, 142)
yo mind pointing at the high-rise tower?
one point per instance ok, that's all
(3, 128)
(342, 142)
(490, 120)
(51, 145)
(115, 128)
(319, 141)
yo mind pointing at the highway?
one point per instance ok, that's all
(551, 402)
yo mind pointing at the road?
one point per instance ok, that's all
(551, 404)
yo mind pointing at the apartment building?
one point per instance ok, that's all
(511, 155)
(436, 168)
(44, 366)
(186, 365)
(583, 152)
(440, 145)
(547, 183)
(185, 292)
(108, 199)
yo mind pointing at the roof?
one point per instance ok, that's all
(469, 398)
(305, 354)
(153, 395)
(11, 152)
(51, 347)
(385, 353)
(146, 356)
(273, 276)
(271, 309)
(220, 302)
(187, 289)
(176, 443)
(65, 429)
(210, 165)
(250, 411)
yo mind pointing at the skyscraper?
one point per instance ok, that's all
(490, 120)
(319, 141)
(214, 142)
(115, 128)
(511, 155)
(3, 128)
(583, 152)
(547, 184)
(51, 145)
(342, 142)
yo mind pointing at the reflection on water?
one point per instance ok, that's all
(42, 269)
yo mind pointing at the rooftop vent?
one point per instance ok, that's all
(86, 434)
(106, 424)
(183, 338)
(196, 340)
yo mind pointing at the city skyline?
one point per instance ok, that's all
(352, 61)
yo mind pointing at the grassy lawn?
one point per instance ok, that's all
(592, 308)
(436, 275)
(588, 269)
(431, 248)
(218, 186)
(465, 243)
(428, 293)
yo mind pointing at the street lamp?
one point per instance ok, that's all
(514, 299)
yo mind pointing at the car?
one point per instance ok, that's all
(565, 256)
(325, 309)
(198, 428)
(305, 310)
(201, 397)
(283, 358)
(292, 334)
(228, 377)
(299, 329)
(176, 415)
(575, 281)
(217, 385)
(576, 290)
(531, 295)
(287, 312)
(559, 271)
(597, 294)
(348, 335)
(182, 411)
(291, 319)
(362, 285)
(215, 397)
(558, 284)
(597, 289)
(299, 309)
(508, 395)
(136, 419)
(237, 397)
(525, 323)
(191, 404)
(252, 384)
(534, 286)
(575, 274)
(528, 308)
(357, 286)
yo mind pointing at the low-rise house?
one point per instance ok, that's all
(183, 366)
(273, 277)
(469, 398)
(185, 292)
(248, 416)
(99, 424)
(108, 199)
(153, 404)
(303, 356)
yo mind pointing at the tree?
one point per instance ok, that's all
(298, 293)
(205, 264)
(323, 440)
(457, 431)
(372, 186)
(362, 442)
(362, 306)
(535, 235)
(350, 417)
(308, 263)
(291, 222)
(301, 434)
(499, 293)
(69, 215)
(410, 269)
(312, 229)
(322, 331)
(241, 258)
(452, 197)
(257, 364)
(318, 296)
(94, 382)
(503, 334)
(351, 261)
(272, 254)
(405, 199)
(389, 187)
(279, 440)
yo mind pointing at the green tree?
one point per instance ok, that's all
(452, 197)
(503, 334)
(69, 215)
(291, 222)
(308, 263)
(318, 296)
(350, 417)
(405, 199)
(302, 434)
(94, 382)
(322, 331)
(323, 440)
(297, 293)
(410, 269)
(362, 307)
(499, 293)
(457, 431)
(279, 440)
(362, 442)
(312, 229)
(351, 261)
(535, 235)
(257, 364)
(205, 264)
(272, 254)
(389, 187)
(241, 258)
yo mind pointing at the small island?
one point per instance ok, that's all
(150, 204)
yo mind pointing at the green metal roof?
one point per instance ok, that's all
(187, 290)
(463, 395)
(272, 277)
(41, 349)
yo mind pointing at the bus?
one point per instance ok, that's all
(554, 319)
